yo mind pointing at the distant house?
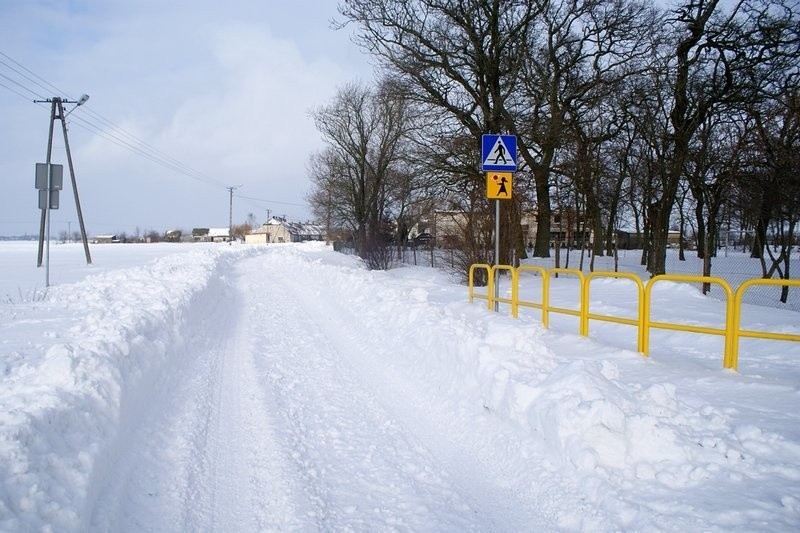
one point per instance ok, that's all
(211, 235)
(200, 235)
(105, 239)
(279, 230)
(173, 235)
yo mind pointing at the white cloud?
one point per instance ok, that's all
(224, 90)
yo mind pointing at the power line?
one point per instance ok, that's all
(142, 146)
(26, 97)
(50, 86)
(264, 200)
(15, 82)
(96, 124)
(175, 166)
(112, 133)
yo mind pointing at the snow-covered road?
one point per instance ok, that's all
(278, 422)
(287, 388)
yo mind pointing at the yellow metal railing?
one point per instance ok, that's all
(513, 301)
(647, 323)
(615, 319)
(737, 332)
(489, 284)
(543, 300)
(547, 308)
(731, 331)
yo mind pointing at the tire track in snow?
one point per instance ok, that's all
(249, 491)
(266, 424)
(360, 468)
(198, 454)
(476, 454)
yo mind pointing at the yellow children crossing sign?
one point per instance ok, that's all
(498, 185)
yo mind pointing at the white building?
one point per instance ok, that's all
(279, 230)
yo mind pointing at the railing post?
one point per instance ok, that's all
(546, 300)
(646, 318)
(490, 286)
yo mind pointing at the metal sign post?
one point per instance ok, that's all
(49, 181)
(496, 253)
(498, 160)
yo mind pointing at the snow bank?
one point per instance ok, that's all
(599, 438)
(79, 358)
(653, 445)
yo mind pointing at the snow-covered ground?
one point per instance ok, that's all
(285, 387)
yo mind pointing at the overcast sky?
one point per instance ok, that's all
(221, 87)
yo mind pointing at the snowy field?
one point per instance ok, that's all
(285, 387)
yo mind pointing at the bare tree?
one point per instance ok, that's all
(578, 56)
(711, 169)
(460, 57)
(363, 129)
(716, 59)
(772, 177)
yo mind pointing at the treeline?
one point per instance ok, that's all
(626, 112)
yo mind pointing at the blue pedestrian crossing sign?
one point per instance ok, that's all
(498, 153)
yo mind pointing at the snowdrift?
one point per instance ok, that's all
(82, 360)
(599, 438)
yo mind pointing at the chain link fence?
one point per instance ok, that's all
(734, 265)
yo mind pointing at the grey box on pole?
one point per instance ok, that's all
(53, 199)
(41, 176)
(56, 178)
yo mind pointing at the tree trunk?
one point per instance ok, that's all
(361, 241)
(707, 263)
(785, 288)
(760, 238)
(512, 245)
(659, 217)
(701, 226)
(541, 247)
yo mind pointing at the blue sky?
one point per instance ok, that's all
(222, 88)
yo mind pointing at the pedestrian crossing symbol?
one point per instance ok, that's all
(498, 185)
(499, 153)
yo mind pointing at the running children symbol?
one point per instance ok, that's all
(498, 185)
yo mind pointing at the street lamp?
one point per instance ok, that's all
(80, 102)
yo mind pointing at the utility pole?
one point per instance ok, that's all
(57, 112)
(230, 214)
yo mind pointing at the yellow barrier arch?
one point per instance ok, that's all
(607, 318)
(489, 283)
(647, 323)
(547, 308)
(542, 301)
(514, 287)
(737, 332)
